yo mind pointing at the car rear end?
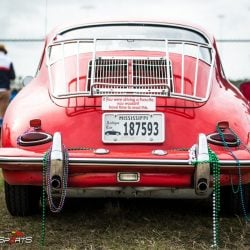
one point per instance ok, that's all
(131, 88)
(127, 115)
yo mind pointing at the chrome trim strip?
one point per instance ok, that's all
(121, 162)
(130, 161)
(234, 163)
(101, 161)
(20, 160)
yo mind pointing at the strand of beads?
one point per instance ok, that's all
(240, 185)
(216, 196)
(53, 207)
(43, 201)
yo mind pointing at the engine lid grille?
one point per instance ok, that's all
(132, 76)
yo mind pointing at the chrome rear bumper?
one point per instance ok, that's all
(199, 152)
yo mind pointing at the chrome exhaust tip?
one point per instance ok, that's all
(202, 186)
(56, 182)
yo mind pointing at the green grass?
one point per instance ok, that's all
(1, 180)
(100, 224)
(128, 224)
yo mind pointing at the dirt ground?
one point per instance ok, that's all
(127, 224)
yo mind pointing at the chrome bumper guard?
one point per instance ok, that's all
(57, 159)
(202, 170)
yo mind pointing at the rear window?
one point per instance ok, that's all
(134, 31)
(112, 37)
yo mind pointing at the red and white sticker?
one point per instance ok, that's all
(129, 103)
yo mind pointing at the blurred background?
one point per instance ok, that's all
(24, 25)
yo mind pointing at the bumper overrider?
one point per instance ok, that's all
(103, 173)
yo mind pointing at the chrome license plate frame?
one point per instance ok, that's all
(148, 127)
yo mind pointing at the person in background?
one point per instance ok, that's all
(7, 73)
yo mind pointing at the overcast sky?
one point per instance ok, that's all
(225, 19)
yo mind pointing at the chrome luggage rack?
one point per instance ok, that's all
(110, 74)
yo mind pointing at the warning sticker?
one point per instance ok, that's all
(135, 103)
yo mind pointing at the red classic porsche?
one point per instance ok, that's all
(127, 109)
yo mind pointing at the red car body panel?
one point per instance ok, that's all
(79, 120)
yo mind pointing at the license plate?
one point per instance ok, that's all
(133, 128)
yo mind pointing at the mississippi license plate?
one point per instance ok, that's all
(133, 128)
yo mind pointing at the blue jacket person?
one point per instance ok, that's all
(7, 73)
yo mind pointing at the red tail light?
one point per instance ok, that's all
(34, 138)
(230, 139)
(35, 123)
